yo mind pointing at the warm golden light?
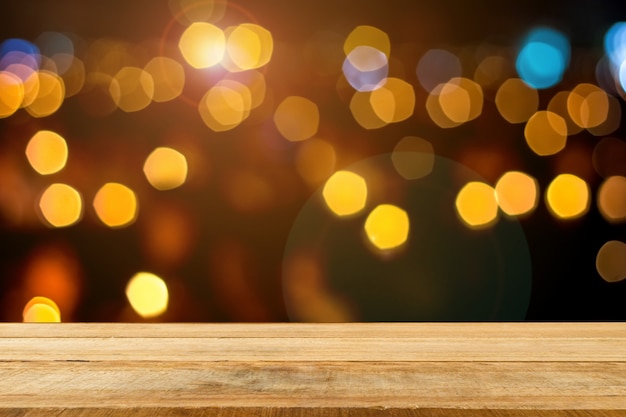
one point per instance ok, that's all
(435, 110)
(50, 95)
(202, 45)
(248, 46)
(611, 261)
(516, 193)
(61, 205)
(297, 118)
(315, 161)
(190, 11)
(612, 199)
(225, 105)
(461, 100)
(558, 105)
(367, 36)
(546, 133)
(613, 118)
(116, 205)
(492, 71)
(413, 157)
(588, 105)
(394, 101)
(168, 77)
(345, 193)
(47, 152)
(147, 294)
(362, 111)
(516, 100)
(11, 94)
(132, 89)
(567, 196)
(74, 76)
(165, 168)
(387, 227)
(476, 205)
(39, 313)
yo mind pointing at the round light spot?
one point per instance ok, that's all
(168, 77)
(165, 168)
(315, 161)
(516, 193)
(365, 68)
(41, 313)
(558, 105)
(47, 152)
(297, 118)
(516, 100)
(543, 57)
(437, 66)
(61, 205)
(476, 205)
(50, 95)
(611, 261)
(41, 300)
(345, 193)
(413, 157)
(363, 112)
(249, 46)
(202, 45)
(546, 133)
(567, 196)
(394, 101)
(367, 36)
(461, 100)
(147, 294)
(225, 106)
(612, 199)
(132, 89)
(387, 227)
(11, 93)
(588, 105)
(116, 205)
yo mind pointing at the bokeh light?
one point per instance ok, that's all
(613, 118)
(19, 51)
(297, 118)
(50, 95)
(11, 93)
(612, 199)
(476, 205)
(492, 71)
(365, 68)
(543, 57)
(394, 101)
(315, 161)
(47, 152)
(516, 193)
(132, 89)
(74, 77)
(437, 66)
(165, 168)
(363, 112)
(588, 105)
(202, 45)
(345, 193)
(387, 227)
(615, 43)
(558, 105)
(147, 294)
(41, 315)
(516, 100)
(61, 205)
(609, 157)
(435, 109)
(225, 106)
(248, 46)
(611, 261)
(546, 133)
(567, 196)
(413, 157)
(367, 36)
(116, 205)
(461, 100)
(168, 78)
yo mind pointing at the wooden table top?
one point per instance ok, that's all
(356, 369)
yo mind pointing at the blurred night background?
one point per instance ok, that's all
(243, 161)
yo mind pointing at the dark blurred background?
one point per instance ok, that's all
(247, 237)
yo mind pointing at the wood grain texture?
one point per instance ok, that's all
(384, 369)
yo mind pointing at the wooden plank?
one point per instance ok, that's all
(384, 369)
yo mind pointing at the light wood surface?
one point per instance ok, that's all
(371, 370)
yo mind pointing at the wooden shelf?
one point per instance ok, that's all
(359, 369)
